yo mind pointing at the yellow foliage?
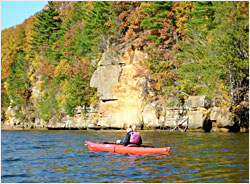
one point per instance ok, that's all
(62, 99)
(32, 77)
(182, 8)
(93, 100)
(62, 68)
(158, 85)
(6, 86)
(224, 95)
(29, 31)
(162, 63)
(148, 98)
(145, 5)
(154, 77)
(37, 60)
(7, 116)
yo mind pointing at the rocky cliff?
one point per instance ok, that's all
(122, 84)
(119, 80)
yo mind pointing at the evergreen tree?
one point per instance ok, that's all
(99, 28)
(202, 17)
(48, 106)
(195, 66)
(79, 93)
(18, 85)
(156, 14)
(48, 24)
(231, 47)
(216, 61)
(100, 24)
(96, 30)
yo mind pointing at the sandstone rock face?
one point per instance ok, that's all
(120, 80)
(110, 57)
(222, 119)
(196, 118)
(103, 78)
(197, 112)
(150, 116)
(196, 101)
(171, 117)
(120, 87)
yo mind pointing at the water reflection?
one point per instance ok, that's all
(62, 157)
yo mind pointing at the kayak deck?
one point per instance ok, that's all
(117, 148)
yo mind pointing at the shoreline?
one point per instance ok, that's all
(10, 128)
(111, 129)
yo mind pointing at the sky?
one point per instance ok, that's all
(15, 12)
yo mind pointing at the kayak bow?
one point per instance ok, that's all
(117, 148)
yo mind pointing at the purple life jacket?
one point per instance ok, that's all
(134, 137)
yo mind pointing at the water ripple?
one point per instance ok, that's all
(61, 157)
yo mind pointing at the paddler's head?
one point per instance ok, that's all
(128, 128)
(133, 128)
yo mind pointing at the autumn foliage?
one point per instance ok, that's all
(195, 48)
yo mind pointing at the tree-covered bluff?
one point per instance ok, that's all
(179, 49)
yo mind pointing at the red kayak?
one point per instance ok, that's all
(117, 148)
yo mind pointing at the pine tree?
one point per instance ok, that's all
(48, 24)
(216, 61)
(231, 47)
(100, 25)
(202, 17)
(79, 93)
(18, 81)
(18, 85)
(195, 48)
(154, 20)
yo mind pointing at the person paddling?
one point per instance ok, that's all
(132, 137)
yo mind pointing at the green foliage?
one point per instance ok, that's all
(79, 93)
(156, 14)
(194, 48)
(18, 85)
(202, 17)
(215, 56)
(5, 101)
(231, 46)
(48, 106)
(164, 26)
(48, 23)
(18, 81)
(48, 31)
(97, 32)
(55, 50)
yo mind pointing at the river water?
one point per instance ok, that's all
(62, 156)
